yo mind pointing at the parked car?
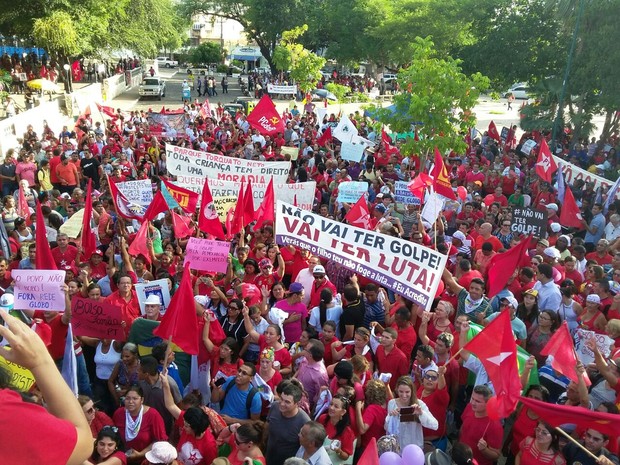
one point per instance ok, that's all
(152, 87)
(166, 62)
(519, 91)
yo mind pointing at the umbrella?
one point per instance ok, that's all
(43, 84)
(322, 93)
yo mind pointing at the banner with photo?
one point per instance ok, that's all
(408, 269)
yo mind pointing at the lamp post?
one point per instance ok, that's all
(67, 76)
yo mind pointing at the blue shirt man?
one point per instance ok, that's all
(596, 228)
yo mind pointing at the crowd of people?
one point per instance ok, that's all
(299, 356)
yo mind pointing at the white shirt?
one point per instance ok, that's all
(306, 279)
(320, 457)
(612, 232)
(259, 138)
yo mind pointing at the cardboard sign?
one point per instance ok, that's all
(351, 191)
(403, 195)
(529, 221)
(292, 151)
(207, 255)
(159, 288)
(187, 162)
(352, 152)
(527, 146)
(22, 378)
(73, 226)
(408, 269)
(603, 342)
(504, 134)
(39, 290)
(139, 192)
(96, 319)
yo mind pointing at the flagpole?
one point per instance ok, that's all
(454, 356)
(574, 441)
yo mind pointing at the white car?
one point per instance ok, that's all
(519, 91)
(152, 87)
(166, 62)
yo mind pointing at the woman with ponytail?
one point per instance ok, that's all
(326, 311)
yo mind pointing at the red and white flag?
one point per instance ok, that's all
(439, 173)
(265, 118)
(125, 208)
(208, 219)
(570, 216)
(545, 165)
(492, 132)
(359, 215)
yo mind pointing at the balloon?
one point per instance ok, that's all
(492, 408)
(440, 288)
(461, 192)
(390, 458)
(413, 455)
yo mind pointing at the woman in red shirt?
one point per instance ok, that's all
(371, 418)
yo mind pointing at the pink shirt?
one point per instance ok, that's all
(292, 331)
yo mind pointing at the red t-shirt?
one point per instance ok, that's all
(282, 355)
(395, 362)
(196, 451)
(437, 403)
(346, 438)
(65, 258)
(474, 429)
(374, 416)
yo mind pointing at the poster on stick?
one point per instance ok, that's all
(159, 288)
(96, 319)
(529, 221)
(408, 269)
(39, 290)
(207, 255)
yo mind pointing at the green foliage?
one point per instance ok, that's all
(437, 96)
(57, 32)
(303, 65)
(338, 90)
(209, 52)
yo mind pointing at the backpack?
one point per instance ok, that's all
(248, 400)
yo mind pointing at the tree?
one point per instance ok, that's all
(264, 21)
(303, 66)
(209, 52)
(57, 32)
(437, 97)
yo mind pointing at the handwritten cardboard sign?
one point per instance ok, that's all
(207, 255)
(39, 290)
(22, 378)
(96, 319)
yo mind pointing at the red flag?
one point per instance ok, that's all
(439, 173)
(265, 118)
(496, 349)
(385, 137)
(358, 215)
(108, 111)
(187, 200)
(43, 259)
(89, 240)
(419, 185)
(238, 218)
(23, 209)
(208, 220)
(570, 216)
(249, 212)
(180, 225)
(561, 347)
(139, 246)
(157, 206)
(504, 265)
(370, 456)
(492, 132)
(125, 208)
(180, 323)
(205, 110)
(325, 137)
(545, 165)
(267, 209)
(556, 415)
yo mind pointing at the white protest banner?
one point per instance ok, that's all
(603, 342)
(573, 173)
(352, 152)
(292, 151)
(527, 146)
(159, 288)
(351, 191)
(73, 225)
(274, 89)
(321, 113)
(39, 290)
(140, 191)
(207, 255)
(345, 130)
(402, 194)
(187, 162)
(433, 206)
(408, 269)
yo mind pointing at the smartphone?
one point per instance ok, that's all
(220, 381)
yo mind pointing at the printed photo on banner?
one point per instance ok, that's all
(207, 255)
(96, 319)
(158, 288)
(187, 162)
(139, 191)
(350, 191)
(403, 195)
(404, 267)
(527, 146)
(529, 221)
(39, 290)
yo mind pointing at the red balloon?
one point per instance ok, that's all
(492, 408)
(440, 289)
(461, 192)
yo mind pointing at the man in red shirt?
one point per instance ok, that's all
(127, 299)
(601, 254)
(478, 431)
(496, 196)
(64, 254)
(321, 281)
(485, 235)
(390, 359)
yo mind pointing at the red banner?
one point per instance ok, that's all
(97, 319)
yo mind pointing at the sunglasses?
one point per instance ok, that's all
(110, 428)
(241, 442)
(431, 377)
